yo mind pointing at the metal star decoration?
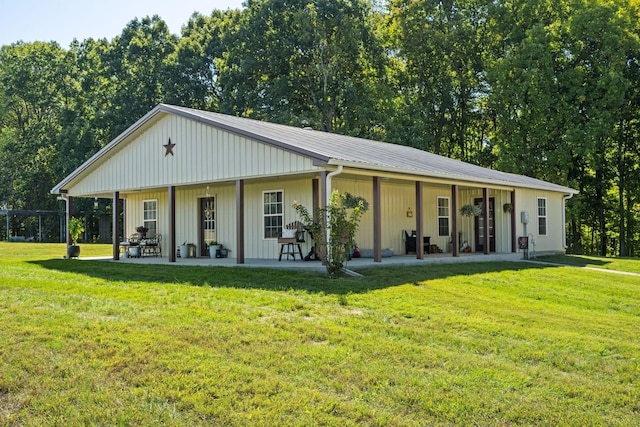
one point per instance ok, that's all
(169, 148)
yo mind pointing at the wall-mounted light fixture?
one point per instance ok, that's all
(95, 203)
(409, 213)
(208, 194)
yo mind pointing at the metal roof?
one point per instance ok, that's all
(335, 149)
(375, 155)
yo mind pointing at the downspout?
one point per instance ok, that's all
(564, 221)
(328, 196)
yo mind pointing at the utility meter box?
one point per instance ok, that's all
(524, 217)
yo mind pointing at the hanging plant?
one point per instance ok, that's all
(470, 210)
(507, 207)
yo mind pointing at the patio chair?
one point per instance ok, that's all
(410, 242)
(290, 239)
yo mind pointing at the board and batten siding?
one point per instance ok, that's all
(202, 153)
(527, 200)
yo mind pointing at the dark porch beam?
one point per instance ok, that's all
(115, 229)
(315, 196)
(514, 238)
(240, 221)
(323, 189)
(69, 215)
(455, 243)
(377, 220)
(171, 244)
(486, 220)
(419, 220)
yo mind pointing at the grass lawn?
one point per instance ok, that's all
(631, 265)
(100, 343)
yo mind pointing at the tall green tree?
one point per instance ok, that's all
(192, 68)
(442, 46)
(32, 82)
(300, 62)
(136, 69)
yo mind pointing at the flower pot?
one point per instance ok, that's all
(213, 250)
(184, 251)
(73, 251)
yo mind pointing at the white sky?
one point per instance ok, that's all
(64, 20)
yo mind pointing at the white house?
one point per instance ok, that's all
(197, 176)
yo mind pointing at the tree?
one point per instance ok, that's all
(135, 67)
(442, 47)
(32, 81)
(334, 228)
(192, 69)
(301, 62)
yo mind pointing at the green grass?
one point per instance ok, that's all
(631, 265)
(100, 343)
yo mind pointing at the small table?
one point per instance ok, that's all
(288, 247)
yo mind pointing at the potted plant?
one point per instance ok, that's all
(76, 228)
(214, 247)
(507, 207)
(185, 250)
(142, 231)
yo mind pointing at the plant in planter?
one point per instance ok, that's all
(185, 249)
(470, 210)
(142, 230)
(507, 207)
(214, 247)
(76, 228)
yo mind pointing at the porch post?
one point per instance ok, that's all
(69, 215)
(377, 221)
(455, 249)
(323, 189)
(486, 220)
(240, 221)
(514, 238)
(171, 241)
(419, 222)
(315, 196)
(115, 218)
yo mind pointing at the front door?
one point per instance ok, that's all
(481, 231)
(207, 224)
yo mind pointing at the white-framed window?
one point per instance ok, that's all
(542, 216)
(443, 216)
(150, 216)
(273, 202)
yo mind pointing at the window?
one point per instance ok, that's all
(150, 216)
(542, 216)
(273, 218)
(443, 216)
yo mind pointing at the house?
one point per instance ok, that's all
(198, 176)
